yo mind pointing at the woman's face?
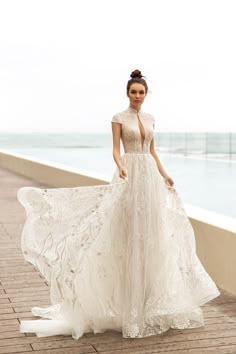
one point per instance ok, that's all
(136, 94)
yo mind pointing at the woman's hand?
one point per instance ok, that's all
(169, 180)
(122, 172)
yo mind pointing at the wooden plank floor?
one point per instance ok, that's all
(22, 287)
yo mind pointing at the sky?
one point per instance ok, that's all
(64, 65)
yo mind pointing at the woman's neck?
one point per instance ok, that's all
(136, 108)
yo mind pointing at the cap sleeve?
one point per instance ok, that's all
(117, 118)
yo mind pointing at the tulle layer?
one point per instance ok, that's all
(120, 256)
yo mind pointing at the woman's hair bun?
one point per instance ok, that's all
(136, 73)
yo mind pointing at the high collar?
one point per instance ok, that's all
(130, 109)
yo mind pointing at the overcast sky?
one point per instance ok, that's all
(64, 65)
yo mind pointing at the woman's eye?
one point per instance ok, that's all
(140, 92)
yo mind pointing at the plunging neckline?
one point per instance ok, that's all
(141, 125)
(140, 132)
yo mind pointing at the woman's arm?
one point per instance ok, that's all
(158, 162)
(116, 133)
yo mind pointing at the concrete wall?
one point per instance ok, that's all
(215, 234)
(216, 245)
(52, 174)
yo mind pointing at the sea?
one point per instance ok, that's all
(203, 165)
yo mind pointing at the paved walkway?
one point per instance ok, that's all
(22, 287)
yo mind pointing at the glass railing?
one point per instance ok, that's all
(218, 145)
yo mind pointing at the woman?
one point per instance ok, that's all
(120, 256)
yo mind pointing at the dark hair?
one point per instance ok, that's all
(136, 76)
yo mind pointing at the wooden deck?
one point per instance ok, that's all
(22, 287)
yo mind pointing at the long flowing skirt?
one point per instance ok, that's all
(119, 256)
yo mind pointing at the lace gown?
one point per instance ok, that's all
(119, 256)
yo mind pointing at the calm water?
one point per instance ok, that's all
(206, 183)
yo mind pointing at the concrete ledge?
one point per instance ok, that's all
(216, 245)
(52, 174)
(215, 234)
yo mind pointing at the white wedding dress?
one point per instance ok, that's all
(119, 256)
